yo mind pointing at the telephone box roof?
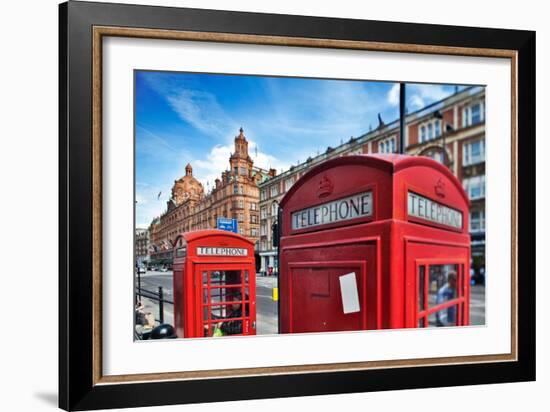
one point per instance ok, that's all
(391, 163)
(199, 234)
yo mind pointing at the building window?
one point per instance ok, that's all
(262, 194)
(475, 187)
(437, 128)
(473, 152)
(387, 145)
(253, 206)
(274, 207)
(263, 230)
(473, 114)
(274, 190)
(477, 221)
(240, 217)
(263, 213)
(241, 204)
(288, 183)
(235, 189)
(241, 191)
(253, 219)
(243, 171)
(254, 232)
(430, 130)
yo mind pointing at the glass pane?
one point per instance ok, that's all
(219, 312)
(442, 284)
(443, 317)
(421, 288)
(476, 113)
(217, 295)
(217, 277)
(204, 278)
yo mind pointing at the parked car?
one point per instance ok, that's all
(141, 269)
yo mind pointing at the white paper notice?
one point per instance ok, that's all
(350, 295)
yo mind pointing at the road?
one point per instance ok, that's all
(266, 308)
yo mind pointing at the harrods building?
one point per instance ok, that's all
(235, 195)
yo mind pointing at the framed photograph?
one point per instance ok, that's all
(256, 205)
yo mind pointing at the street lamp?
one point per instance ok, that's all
(439, 116)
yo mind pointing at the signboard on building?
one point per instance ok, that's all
(230, 225)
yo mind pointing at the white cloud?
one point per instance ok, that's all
(393, 95)
(148, 203)
(420, 95)
(210, 168)
(201, 110)
(415, 102)
(192, 104)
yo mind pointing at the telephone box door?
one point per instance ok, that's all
(317, 294)
(439, 282)
(329, 288)
(226, 296)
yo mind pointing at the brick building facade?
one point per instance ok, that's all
(451, 131)
(235, 195)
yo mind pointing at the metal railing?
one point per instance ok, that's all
(154, 296)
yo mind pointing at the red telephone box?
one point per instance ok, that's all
(214, 284)
(372, 242)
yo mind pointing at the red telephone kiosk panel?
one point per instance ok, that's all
(214, 284)
(373, 242)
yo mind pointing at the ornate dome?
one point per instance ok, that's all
(187, 187)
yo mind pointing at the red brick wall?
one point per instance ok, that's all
(448, 118)
(375, 147)
(413, 134)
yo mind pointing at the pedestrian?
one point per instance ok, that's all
(447, 316)
(235, 325)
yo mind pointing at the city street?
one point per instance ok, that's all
(266, 308)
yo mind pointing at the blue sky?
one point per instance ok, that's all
(193, 118)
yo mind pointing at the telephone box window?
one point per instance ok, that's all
(441, 295)
(442, 284)
(223, 310)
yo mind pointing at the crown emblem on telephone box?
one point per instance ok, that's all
(325, 187)
(440, 188)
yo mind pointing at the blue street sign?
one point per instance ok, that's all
(227, 224)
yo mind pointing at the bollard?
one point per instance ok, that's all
(275, 294)
(161, 305)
